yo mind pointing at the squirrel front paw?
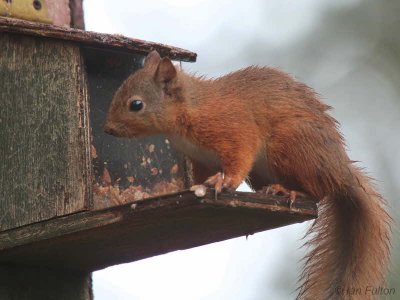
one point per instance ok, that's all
(220, 181)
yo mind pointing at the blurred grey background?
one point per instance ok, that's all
(348, 51)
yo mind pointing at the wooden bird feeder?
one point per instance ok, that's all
(73, 199)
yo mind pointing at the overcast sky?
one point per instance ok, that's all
(218, 31)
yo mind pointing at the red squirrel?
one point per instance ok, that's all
(261, 124)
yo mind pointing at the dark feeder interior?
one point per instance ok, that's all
(125, 170)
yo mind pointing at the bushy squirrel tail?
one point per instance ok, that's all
(350, 244)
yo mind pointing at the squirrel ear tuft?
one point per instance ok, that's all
(165, 71)
(153, 58)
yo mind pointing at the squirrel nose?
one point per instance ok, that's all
(109, 129)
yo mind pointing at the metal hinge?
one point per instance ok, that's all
(31, 10)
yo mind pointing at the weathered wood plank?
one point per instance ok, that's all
(77, 17)
(92, 240)
(94, 39)
(43, 130)
(59, 12)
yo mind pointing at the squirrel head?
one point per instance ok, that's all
(143, 102)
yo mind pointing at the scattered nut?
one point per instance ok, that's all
(93, 151)
(199, 190)
(106, 178)
(151, 148)
(174, 169)
(106, 195)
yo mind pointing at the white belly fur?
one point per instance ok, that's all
(210, 159)
(204, 156)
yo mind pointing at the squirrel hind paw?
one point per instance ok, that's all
(277, 189)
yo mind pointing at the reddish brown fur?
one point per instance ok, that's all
(260, 122)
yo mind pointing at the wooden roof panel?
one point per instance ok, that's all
(94, 39)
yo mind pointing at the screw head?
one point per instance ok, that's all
(37, 4)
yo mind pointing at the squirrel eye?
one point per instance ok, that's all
(136, 105)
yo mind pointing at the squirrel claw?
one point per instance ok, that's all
(215, 181)
(219, 182)
(277, 189)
